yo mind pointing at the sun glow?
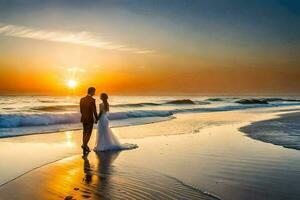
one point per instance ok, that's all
(72, 83)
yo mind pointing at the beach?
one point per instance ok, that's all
(192, 156)
(149, 100)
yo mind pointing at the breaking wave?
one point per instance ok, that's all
(21, 120)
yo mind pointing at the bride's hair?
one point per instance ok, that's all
(104, 98)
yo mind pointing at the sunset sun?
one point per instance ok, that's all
(72, 83)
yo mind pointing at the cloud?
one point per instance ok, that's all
(75, 69)
(81, 38)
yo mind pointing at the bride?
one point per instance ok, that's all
(105, 139)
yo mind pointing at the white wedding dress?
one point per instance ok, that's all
(105, 139)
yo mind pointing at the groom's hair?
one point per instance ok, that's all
(91, 90)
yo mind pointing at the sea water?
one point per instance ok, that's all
(23, 115)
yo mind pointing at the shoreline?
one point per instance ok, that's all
(146, 136)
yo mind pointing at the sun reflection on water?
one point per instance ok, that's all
(69, 139)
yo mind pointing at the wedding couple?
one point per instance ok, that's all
(105, 139)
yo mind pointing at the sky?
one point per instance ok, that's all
(151, 47)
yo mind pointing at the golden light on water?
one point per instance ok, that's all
(69, 139)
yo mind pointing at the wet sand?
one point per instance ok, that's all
(97, 178)
(176, 159)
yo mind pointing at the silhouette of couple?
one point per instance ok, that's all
(105, 138)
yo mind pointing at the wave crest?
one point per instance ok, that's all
(21, 120)
(172, 102)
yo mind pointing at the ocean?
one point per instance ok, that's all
(23, 115)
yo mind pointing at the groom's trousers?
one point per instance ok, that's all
(87, 127)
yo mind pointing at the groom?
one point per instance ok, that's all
(88, 118)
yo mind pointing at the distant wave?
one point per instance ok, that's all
(136, 105)
(55, 108)
(264, 100)
(181, 101)
(22, 120)
(272, 99)
(216, 99)
(171, 102)
(47, 101)
(252, 101)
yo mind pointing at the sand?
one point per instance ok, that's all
(195, 156)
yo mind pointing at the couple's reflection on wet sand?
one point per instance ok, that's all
(99, 175)
(104, 180)
(88, 174)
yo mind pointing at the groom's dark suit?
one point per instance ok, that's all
(88, 113)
